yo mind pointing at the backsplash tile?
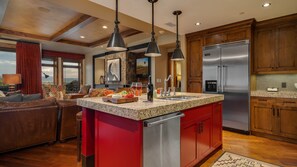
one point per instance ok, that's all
(265, 81)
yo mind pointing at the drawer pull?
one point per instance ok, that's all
(277, 112)
(273, 111)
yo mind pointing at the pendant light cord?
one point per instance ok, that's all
(117, 14)
(177, 40)
(153, 27)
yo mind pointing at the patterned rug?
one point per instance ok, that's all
(233, 160)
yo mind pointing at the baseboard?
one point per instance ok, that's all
(237, 130)
(274, 137)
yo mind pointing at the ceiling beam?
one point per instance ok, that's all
(72, 27)
(124, 34)
(3, 6)
(22, 34)
(73, 42)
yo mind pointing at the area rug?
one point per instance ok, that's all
(233, 160)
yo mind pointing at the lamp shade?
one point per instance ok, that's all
(153, 50)
(12, 79)
(177, 55)
(116, 42)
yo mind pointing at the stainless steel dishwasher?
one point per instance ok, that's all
(161, 141)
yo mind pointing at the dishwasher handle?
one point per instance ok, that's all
(154, 123)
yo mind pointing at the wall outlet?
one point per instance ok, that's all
(159, 80)
(284, 85)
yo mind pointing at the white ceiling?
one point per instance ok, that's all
(211, 13)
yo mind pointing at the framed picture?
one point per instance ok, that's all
(113, 70)
(142, 67)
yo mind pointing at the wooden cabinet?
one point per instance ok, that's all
(274, 116)
(196, 41)
(200, 135)
(217, 125)
(275, 45)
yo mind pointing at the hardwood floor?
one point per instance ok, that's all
(64, 154)
(271, 151)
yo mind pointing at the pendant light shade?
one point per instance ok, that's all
(116, 42)
(177, 54)
(153, 49)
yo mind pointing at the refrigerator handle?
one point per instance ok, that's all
(223, 77)
(219, 79)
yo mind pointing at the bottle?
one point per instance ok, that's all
(150, 90)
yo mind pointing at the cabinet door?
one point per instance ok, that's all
(188, 144)
(262, 119)
(217, 125)
(288, 123)
(214, 39)
(194, 58)
(265, 50)
(287, 52)
(194, 86)
(236, 35)
(204, 137)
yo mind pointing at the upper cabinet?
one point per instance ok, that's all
(196, 41)
(275, 45)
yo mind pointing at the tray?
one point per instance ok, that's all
(120, 100)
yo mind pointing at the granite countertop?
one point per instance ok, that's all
(280, 94)
(143, 110)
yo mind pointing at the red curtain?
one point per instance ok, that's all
(28, 64)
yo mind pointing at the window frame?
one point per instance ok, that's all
(79, 67)
(54, 65)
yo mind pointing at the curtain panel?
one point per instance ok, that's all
(28, 64)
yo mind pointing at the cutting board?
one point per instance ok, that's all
(120, 100)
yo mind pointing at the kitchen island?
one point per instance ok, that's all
(113, 134)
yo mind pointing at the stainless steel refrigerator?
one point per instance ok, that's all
(226, 71)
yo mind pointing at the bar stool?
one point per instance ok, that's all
(78, 131)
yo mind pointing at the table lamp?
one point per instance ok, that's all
(12, 80)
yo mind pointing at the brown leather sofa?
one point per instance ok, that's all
(67, 119)
(24, 124)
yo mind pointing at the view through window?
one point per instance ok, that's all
(48, 71)
(7, 66)
(71, 76)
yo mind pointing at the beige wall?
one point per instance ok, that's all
(161, 68)
(275, 80)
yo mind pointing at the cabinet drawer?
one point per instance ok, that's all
(290, 103)
(194, 113)
(262, 101)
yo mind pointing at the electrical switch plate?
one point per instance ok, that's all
(158, 80)
(284, 84)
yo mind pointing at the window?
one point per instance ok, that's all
(49, 72)
(7, 66)
(72, 76)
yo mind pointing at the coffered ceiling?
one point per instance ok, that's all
(210, 13)
(47, 21)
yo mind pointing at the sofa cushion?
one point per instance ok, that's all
(30, 104)
(84, 89)
(13, 93)
(31, 97)
(12, 98)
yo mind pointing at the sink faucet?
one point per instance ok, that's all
(167, 93)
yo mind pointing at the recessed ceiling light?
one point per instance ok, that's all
(82, 37)
(267, 4)
(105, 27)
(197, 24)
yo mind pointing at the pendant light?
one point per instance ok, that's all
(116, 42)
(177, 54)
(153, 49)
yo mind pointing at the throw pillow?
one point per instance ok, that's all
(31, 97)
(84, 89)
(2, 94)
(12, 98)
(56, 91)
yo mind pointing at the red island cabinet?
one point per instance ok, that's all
(201, 133)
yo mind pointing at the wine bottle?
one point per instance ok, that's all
(150, 90)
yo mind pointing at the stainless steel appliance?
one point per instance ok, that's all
(161, 141)
(228, 65)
